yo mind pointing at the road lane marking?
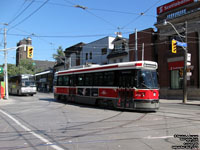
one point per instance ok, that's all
(30, 131)
(160, 137)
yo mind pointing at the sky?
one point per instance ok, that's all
(54, 23)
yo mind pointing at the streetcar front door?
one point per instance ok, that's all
(125, 91)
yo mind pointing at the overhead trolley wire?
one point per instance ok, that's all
(29, 15)
(140, 15)
(21, 12)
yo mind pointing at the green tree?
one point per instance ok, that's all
(26, 67)
(12, 70)
(59, 55)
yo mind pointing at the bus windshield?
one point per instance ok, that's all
(28, 83)
(147, 79)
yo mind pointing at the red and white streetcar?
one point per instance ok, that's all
(127, 85)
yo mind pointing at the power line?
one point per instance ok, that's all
(21, 12)
(141, 14)
(86, 9)
(122, 12)
(29, 15)
(106, 21)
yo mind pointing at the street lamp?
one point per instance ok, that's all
(185, 58)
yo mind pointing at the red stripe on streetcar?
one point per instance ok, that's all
(89, 69)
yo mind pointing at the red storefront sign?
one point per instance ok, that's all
(172, 5)
(175, 65)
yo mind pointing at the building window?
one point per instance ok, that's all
(176, 79)
(103, 51)
(86, 56)
(118, 47)
(90, 55)
(121, 60)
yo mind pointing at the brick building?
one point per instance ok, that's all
(148, 37)
(182, 17)
(21, 53)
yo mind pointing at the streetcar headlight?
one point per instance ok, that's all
(154, 94)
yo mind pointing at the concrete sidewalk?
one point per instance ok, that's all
(173, 101)
(6, 101)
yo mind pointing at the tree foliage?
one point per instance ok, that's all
(59, 55)
(26, 66)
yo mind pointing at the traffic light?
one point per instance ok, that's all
(30, 52)
(174, 48)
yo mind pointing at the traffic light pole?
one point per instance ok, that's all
(185, 68)
(185, 59)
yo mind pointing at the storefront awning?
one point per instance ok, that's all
(175, 65)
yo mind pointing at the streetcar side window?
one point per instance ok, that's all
(65, 80)
(72, 80)
(98, 79)
(80, 80)
(60, 81)
(88, 79)
(109, 78)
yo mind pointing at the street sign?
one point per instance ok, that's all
(1, 69)
(182, 44)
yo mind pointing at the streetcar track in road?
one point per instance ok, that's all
(95, 132)
(37, 135)
(20, 136)
(177, 117)
(105, 129)
(54, 142)
(93, 122)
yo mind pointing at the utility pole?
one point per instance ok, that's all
(5, 66)
(185, 68)
(136, 47)
(142, 51)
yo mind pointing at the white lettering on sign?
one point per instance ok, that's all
(177, 14)
(172, 5)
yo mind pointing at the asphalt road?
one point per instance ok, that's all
(41, 123)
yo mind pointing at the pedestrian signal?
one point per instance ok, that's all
(30, 52)
(174, 48)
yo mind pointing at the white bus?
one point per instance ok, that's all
(23, 84)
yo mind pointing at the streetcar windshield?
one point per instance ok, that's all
(147, 79)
